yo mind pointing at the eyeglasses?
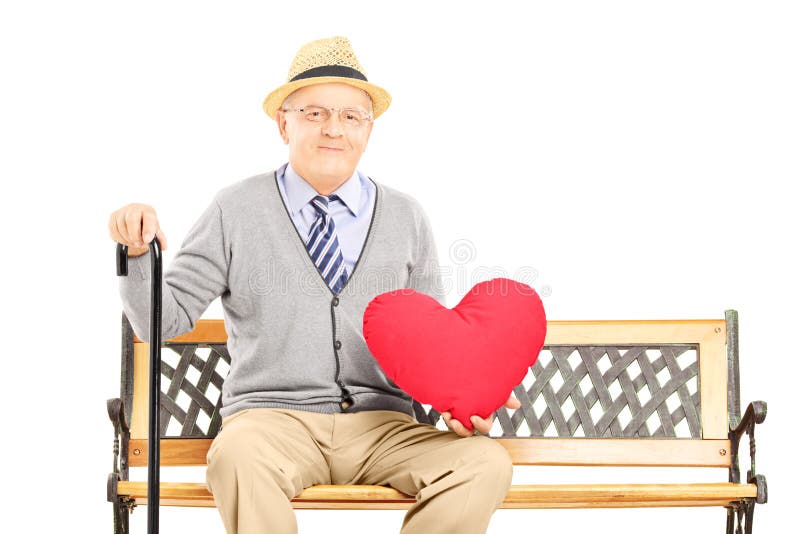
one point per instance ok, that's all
(349, 116)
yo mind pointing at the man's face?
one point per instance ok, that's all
(329, 151)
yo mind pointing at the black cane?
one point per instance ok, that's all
(153, 438)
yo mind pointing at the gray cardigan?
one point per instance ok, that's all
(293, 344)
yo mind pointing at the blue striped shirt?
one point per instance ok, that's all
(351, 215)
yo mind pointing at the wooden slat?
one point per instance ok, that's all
(558, 332)
(713, 383)
(205, 331)
(405, 505)
(523, 451)
(173, 452)
(618, 452)
(168, 490)
(631, 332)
(141, 385)
(622, 493)
(519, 496)
(591, 504)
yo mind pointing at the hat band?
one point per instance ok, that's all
(330, 70)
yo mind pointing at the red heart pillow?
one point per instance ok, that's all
(464, 360)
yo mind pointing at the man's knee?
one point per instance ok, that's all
(235, 455)
(229, 450)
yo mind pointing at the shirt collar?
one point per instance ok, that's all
(299, 192)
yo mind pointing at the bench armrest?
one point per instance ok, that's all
(116, 412)
(755, 414)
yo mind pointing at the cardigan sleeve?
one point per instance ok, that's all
(426, 274)
(196, 276)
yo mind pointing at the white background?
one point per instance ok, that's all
(641, 156)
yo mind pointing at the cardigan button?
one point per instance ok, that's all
(338, 344)
(335, 301)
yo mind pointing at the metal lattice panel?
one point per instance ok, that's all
(603, 392)
(191, 386)
(571, 391)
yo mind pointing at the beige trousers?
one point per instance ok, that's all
(264, 457)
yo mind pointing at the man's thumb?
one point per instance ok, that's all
(162, 239)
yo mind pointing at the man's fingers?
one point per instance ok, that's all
(133, 223)
(135, 226)
(479, 424)
(112, 227)
(458, 428)
(122, 228)
(484, 426)
(149, 226)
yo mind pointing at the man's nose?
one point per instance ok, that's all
(333, 126)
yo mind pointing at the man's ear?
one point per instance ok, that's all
(369, 132)
(280, 118)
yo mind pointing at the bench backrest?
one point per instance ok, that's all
(617, 393)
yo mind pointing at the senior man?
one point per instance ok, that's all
(296, 254)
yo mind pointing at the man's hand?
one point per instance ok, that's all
(481, 425)
(135, 225)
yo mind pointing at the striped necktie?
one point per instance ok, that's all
(323, 245)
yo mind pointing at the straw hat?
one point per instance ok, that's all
(324, 61)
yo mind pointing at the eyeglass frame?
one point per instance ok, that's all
(369, 118)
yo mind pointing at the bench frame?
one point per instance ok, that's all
(722, 429)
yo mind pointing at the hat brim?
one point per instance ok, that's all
(380, 98)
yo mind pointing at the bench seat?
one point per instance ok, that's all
(330, 497)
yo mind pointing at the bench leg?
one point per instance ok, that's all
(121, 516)
(739, 514)
(750, 507)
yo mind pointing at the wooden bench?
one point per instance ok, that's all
(602, 393)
